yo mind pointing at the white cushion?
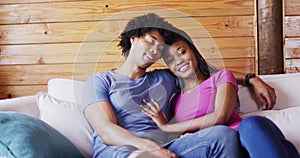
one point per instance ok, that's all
(286, 120)
(67, 118)
(286, 87)
(66, 89)
(26, 105)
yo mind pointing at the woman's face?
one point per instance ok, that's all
(181, 60)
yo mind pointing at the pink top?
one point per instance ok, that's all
(201, 101)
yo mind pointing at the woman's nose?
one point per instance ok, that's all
(178, 59)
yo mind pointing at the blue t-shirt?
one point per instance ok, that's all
(125, 96)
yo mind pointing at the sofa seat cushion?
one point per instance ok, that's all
(26, 136)
(286, 120)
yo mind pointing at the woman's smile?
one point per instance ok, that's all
(183, 67)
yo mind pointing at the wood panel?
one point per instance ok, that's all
(21, 82)
(21, 90)
(292, 65)
(292, 26)
(238, 47)
(292, 7)
(52, 12)
(44, 39)
(33, 12)
(40, 74)
(33, 1)
(292, 36)
(110, 30)
(292, 48)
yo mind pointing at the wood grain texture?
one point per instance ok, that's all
(110, 30)
(292, 65)
(37, 11)
(270, 37)
(20, 90)
(238, 47)
(30, 79)
(40, 74)
(292, 48)
(44, 39)
(292, 26)
(292, 7)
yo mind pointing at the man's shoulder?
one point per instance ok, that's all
(99, 77)
(162, 72)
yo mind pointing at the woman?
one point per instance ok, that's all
(212, 99)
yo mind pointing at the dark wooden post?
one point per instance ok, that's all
(270, 37)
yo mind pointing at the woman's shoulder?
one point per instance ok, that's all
(223, 72)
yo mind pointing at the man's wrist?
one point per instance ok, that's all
(248, 77)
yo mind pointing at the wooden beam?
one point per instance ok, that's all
(270, 37)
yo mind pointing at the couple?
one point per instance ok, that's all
(128, 107)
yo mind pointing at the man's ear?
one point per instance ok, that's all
(132, 39)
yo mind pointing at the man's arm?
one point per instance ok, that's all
(102, 118)
(264, 92)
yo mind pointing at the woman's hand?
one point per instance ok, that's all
(154, 112)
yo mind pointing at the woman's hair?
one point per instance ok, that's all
(180, 35)
(139, 26)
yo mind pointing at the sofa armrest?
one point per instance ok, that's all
(26, 105)
(286, 87)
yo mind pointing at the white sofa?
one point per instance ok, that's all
(61, 108)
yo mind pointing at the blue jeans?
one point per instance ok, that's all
(217, 141)
(262, 138)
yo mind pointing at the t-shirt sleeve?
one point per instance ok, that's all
(226, 76)
(95, 90)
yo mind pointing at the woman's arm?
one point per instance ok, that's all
(102, 118)
(225, 103)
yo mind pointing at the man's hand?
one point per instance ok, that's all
(153, 150)
(162, 153)
(265, 93)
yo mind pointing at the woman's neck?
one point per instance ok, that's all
(190, 84)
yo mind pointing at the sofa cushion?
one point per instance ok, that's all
(68, 119)
(285, 85)
(66, 89)
(26, 136)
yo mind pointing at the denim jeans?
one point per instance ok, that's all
(214, 142)
(262, 138)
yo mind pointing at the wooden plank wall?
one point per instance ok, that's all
(292, 35)
(44, 39)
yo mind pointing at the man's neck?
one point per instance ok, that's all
(132, 71)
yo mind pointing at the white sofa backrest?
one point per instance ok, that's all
(66, 89)
(287, 89)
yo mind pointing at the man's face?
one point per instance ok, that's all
(147, 50)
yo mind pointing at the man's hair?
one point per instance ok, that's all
(139, 26)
